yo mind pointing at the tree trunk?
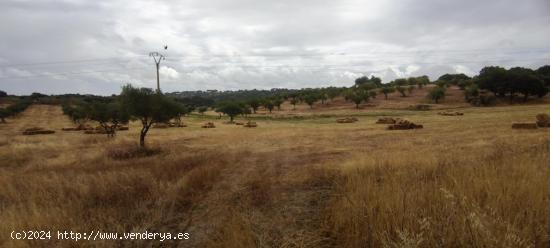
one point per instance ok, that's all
(142, 139)
(231, 117)
(143, 132)
(386, 96)
(525, 96)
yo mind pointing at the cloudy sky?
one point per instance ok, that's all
(96, 46)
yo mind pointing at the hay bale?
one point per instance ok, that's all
(250, 124)
(347, 120)
(37, 130)
(70, 129)
(450, 113)
(386, 120)
(543, 120)
(208, 125)
(404, 125)
(524, 125)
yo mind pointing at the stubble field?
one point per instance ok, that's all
(462, 181)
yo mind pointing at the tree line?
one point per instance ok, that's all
(140, 104)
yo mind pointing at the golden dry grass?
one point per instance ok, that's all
(462, 181)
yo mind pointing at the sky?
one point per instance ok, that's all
(95, 47)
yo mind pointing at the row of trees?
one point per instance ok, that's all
(517, 80)
(14, 109)
(141, 104)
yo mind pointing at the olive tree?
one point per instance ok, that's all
(387, 90)
(109, 115)
(269, 105)
(437, 94)
(202, 109)
(310, 99)
(254, 104)
(293, 101)
(147, 106)
(231, 109)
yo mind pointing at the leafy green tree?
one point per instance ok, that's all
(402, 90)
(108, 115)
(254, 104)
(269, 105)
(372, 94)
(310, 99)
(202, 109)
(77, 113)
(471, 92)
(400, 82)
(453, 79)
(293, 101)
(422, 81)
(544, 73)
(387, 90)
(333, 93)
(147, 106)
(364, 80)
(526, 82)
(436, 94)
(493, 78)
(357, 96)
(231, 109)
(278, 102)
(3, 94)
(323, 97)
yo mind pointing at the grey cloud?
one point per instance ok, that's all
(296, 43)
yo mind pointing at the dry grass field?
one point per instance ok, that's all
(461, 181)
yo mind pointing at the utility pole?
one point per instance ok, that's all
(157, 57)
